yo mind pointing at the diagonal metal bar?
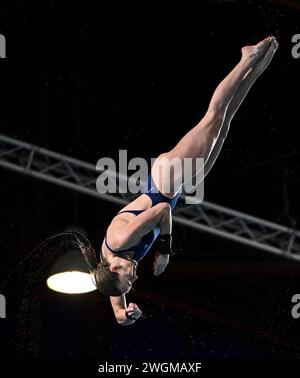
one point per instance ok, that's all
(208, 217)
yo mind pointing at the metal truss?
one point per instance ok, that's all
(215, 219)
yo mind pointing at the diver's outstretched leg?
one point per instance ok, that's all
(249, 79)
(199, 142)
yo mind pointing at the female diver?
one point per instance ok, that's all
(134, 229)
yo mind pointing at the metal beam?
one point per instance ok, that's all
(81, 176)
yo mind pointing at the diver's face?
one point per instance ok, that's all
(126, 269)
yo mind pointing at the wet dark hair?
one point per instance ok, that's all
(35, 263)
(106, 281)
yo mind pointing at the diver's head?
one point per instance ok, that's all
(114, 275)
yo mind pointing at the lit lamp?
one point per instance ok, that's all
(70, 274)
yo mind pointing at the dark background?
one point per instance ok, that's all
(90, 78)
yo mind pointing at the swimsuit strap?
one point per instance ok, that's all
(131, 211)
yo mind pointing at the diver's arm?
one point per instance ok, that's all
(131, 234)
(119, 308)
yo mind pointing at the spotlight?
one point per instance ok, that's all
(70, 274)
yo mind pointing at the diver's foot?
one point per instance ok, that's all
(251, 54)
(266, 59)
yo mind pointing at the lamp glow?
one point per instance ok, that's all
(72, 282)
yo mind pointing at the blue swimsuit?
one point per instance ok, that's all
(141, 249)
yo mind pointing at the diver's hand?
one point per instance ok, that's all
(132, 310)
(160, 263)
